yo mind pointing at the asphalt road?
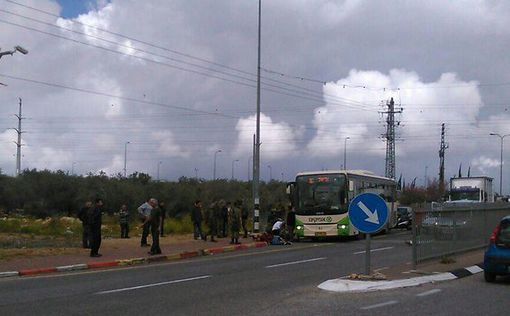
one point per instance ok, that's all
(276, 280)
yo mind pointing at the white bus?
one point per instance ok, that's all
(321, 200)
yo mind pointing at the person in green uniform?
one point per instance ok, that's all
(211, 222)
(234, 220)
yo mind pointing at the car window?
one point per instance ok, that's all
(504, 232)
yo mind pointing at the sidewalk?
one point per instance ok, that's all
(403, 275)
(434, 266)
(121, 251)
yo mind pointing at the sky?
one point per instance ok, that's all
(171, 83)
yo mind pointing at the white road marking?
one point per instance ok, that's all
(474, 269)
(434, 291)
(295, 262)
(154, 284)
(374, 250)
(379, 305)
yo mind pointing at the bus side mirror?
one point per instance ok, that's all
(290, 190)
(351, 186)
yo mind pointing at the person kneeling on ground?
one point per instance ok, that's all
(276, 232)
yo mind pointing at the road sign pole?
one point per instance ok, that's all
(368, 213)
(367, 254)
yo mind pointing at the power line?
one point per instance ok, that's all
(309, 92)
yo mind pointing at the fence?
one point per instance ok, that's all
(447, 229)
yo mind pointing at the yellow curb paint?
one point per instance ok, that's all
(174, 256)
(229, 248)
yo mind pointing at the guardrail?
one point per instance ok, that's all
(447, 229)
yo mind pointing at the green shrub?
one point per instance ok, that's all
(178, 226)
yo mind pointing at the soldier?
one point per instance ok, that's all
(124, 221)
(163, 216)
(244, 217)
(234, 220)
(82, 216)
(94, 219)
(218, 214)
(196, 218)
(225, 210)
(211, 222)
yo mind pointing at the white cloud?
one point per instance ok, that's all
(352, 111)
(484, 163)
(279, 140)
(168, 146)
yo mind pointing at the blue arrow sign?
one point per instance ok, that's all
(368, 213)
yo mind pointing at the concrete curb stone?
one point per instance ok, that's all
(133, 261)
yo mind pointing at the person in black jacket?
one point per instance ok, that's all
(196, 218)
(291, 222)
(82, 216)
(94, 219)
(163, 215)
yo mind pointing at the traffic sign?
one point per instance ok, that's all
(368, 213)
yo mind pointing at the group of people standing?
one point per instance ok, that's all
(151, 213)
(219, 219)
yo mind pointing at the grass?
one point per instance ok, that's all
(27, 232)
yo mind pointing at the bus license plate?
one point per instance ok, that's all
(320, 234)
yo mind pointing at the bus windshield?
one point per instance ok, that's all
(321, 194)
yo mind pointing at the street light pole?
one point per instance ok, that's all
(270, 173)
(249, 166)
(233, 161)
(345, 152)
(501, 137)
(125, 158)
(214, 167)
(159, 164)
(256, 156)
(18, 49)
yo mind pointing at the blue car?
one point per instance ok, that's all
(497, 257)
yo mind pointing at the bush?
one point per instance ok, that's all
(178, 226)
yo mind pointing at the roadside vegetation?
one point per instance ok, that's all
(38, 208)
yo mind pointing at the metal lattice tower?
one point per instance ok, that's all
(390, 138)
(442, 150)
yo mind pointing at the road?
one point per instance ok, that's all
(275, 280)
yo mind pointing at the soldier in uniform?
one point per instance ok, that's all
(124, 221)
(211, 222)
(234, 220)
(244, 217)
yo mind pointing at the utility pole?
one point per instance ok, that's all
(18, 143)
(125, 158)
(256, 157)
(390, 138)
(442, 150)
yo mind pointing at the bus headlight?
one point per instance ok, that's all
(299, 227)
(341, 226)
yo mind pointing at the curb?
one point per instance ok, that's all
(356, 286)
(467, 271)
(134, 261)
